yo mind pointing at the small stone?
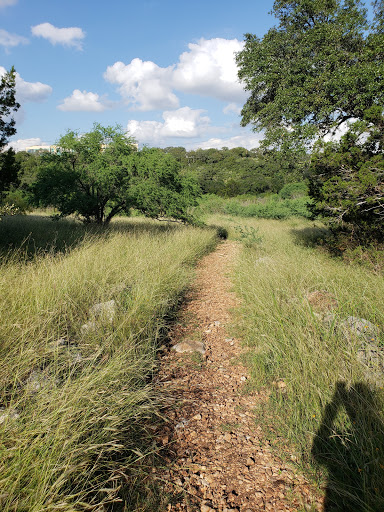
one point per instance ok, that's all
(189, 346)
(227, 437)
(243, 378)
(89, 326)
(360, 327)
(104, 311)
(59, 343)
(206, 508)
(181, 424)
(197, 417)
(228, 340)
(10, 414)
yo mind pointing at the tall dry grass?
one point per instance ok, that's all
(77, 404)
(321, 397)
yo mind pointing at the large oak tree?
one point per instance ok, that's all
(321, 67)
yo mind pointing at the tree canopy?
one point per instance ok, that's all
(101, 174)
(8, 107)
(321, 66)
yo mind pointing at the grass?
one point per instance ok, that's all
(78, 404)
(329, 410)
(270, 206)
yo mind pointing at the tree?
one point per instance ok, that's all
(8, 106)
(101, 174)
(312, 71)
(321, 68)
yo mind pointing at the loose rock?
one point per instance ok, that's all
(189, 346)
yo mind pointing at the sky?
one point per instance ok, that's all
(163, 70)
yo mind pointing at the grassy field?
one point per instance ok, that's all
(295, 299)
(77, 402)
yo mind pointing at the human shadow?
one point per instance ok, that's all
(352, 450)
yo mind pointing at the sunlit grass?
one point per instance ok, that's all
(330, 410)
(76, 411)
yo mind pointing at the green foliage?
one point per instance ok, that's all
(348, 185)
(268, 207)
(157, 188)
(294, 190)
(320, 67)
(8, 170)
(100, 175)
(232, 172)
(249, 235)
(315, 67)
(8, 106)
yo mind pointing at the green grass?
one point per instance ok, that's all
(332, 415)
(77, 414)
(270, 206)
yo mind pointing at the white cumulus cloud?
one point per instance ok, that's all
(208, 68)
(9, 40)
(82, 101)
(6, 3)
(70, 36)
(144, 85)
(232, 108)
(22, 144)
(245, 140)
(183, 122)
(29, 91)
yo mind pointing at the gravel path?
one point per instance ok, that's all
(219, 458)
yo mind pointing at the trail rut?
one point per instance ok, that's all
(218, 456)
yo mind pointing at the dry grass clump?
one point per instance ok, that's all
(76, 403)
(295, 301)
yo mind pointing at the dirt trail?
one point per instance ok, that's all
(220, 459)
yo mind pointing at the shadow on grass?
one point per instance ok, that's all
(353, 457)
(311, 236)
(35, 234)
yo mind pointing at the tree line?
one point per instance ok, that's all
(318, 73)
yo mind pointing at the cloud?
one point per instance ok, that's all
(232, 108)
(6, 3)
(207, 69)
(82, 101)
(70, 36)
(245, 140)
(183, 122)
(144, 85)
(29, 91)
(22, 144)
(10, 40)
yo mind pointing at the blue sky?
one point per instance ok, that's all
(164, 70)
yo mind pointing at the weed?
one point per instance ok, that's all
(249, 235)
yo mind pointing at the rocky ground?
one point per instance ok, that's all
(219, 459)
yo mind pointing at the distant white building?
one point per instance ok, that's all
(38, 150)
